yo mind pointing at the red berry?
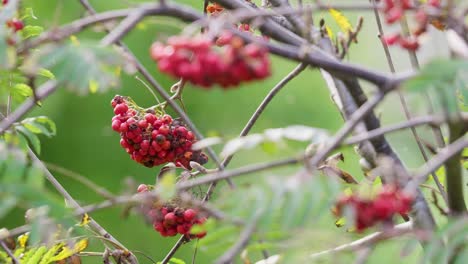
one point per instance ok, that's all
(393, 15)
(16, 24)
(410, 44)
(170, 218)
(392, 39)
(142, 188)
(189, 215)
(116, 125)
(150, 118)
(142, 124)
(434, 3)
(120, 109)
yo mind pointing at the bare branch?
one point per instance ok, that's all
(80, 178)
(432, 120)
(368, 240)
(9, 253)
(241, 243)
(364, 242)
(438, 160)
(72, 202)
(253, 119)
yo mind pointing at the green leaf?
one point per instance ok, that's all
(166, 187)
(46, 73)
(176, 261)
(79, 64)
(21, 91)
(445, 80)
(28, 13)
(31, 31)
(40, 125)
(31, 137)
(273, 136)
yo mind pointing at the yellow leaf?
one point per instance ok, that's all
(74, 40)
(118, 70)
(84, 220)
(141, 26)
(46, 259)
(80, 246)
(93, 86)
(329, 32)
(67, 252)
(340, 222)
(348, 191)
(23, 239)
(341, 20)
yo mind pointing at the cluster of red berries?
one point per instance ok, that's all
(14, 23)
(388, 202)
(169, 220)
(394, 11)
(198, 61)
(151, 139)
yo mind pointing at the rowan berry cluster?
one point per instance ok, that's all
(153, 139)
(394, 11)
(199, 61)
(170, 220)
(388, 202)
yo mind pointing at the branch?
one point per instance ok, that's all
(454, 173)
(438, 160)
(432, 120)
(364, 242)
(241, 243)
(236, 172)
(42, 92)
(81, 179)
(9, 253)
(414, 62)
(253, 119)
(73, 203)
(368, 240)
(72, 28)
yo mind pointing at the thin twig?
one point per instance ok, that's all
(9, 253)
(438, 160)
(368, 240)
(72, 202)
(241, 243)
(432, 120)
(80, 178)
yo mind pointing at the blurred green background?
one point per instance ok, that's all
(86, 144)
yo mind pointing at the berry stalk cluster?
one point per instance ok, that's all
(170, 220)
(368, 212)
(394, 11)
(199, 61)
(153, 139)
